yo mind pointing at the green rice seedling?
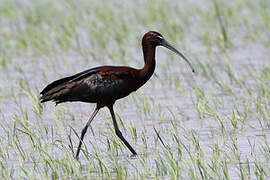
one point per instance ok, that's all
(233, 76)
(4, 62)
(259, 171)
(222, 23)
(37, 108)
(211, 125)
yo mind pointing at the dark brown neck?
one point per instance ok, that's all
(149, 62)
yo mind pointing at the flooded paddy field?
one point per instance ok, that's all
(212, 124)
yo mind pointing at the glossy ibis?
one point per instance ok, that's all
(105, 84)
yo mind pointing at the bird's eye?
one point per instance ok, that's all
(159, 37)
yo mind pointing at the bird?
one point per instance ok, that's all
(104, 85)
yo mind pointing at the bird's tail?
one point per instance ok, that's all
(56, 91)
(61, 90)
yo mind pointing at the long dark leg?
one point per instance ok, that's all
(118, 132)
(84, 131)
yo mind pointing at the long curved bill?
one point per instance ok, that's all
(170, 47)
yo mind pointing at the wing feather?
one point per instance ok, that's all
(90, 86)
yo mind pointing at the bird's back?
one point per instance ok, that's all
(106, 83)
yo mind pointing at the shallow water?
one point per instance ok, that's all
(196, 107)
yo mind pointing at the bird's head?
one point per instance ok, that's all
(153, 38)
(156, 39)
